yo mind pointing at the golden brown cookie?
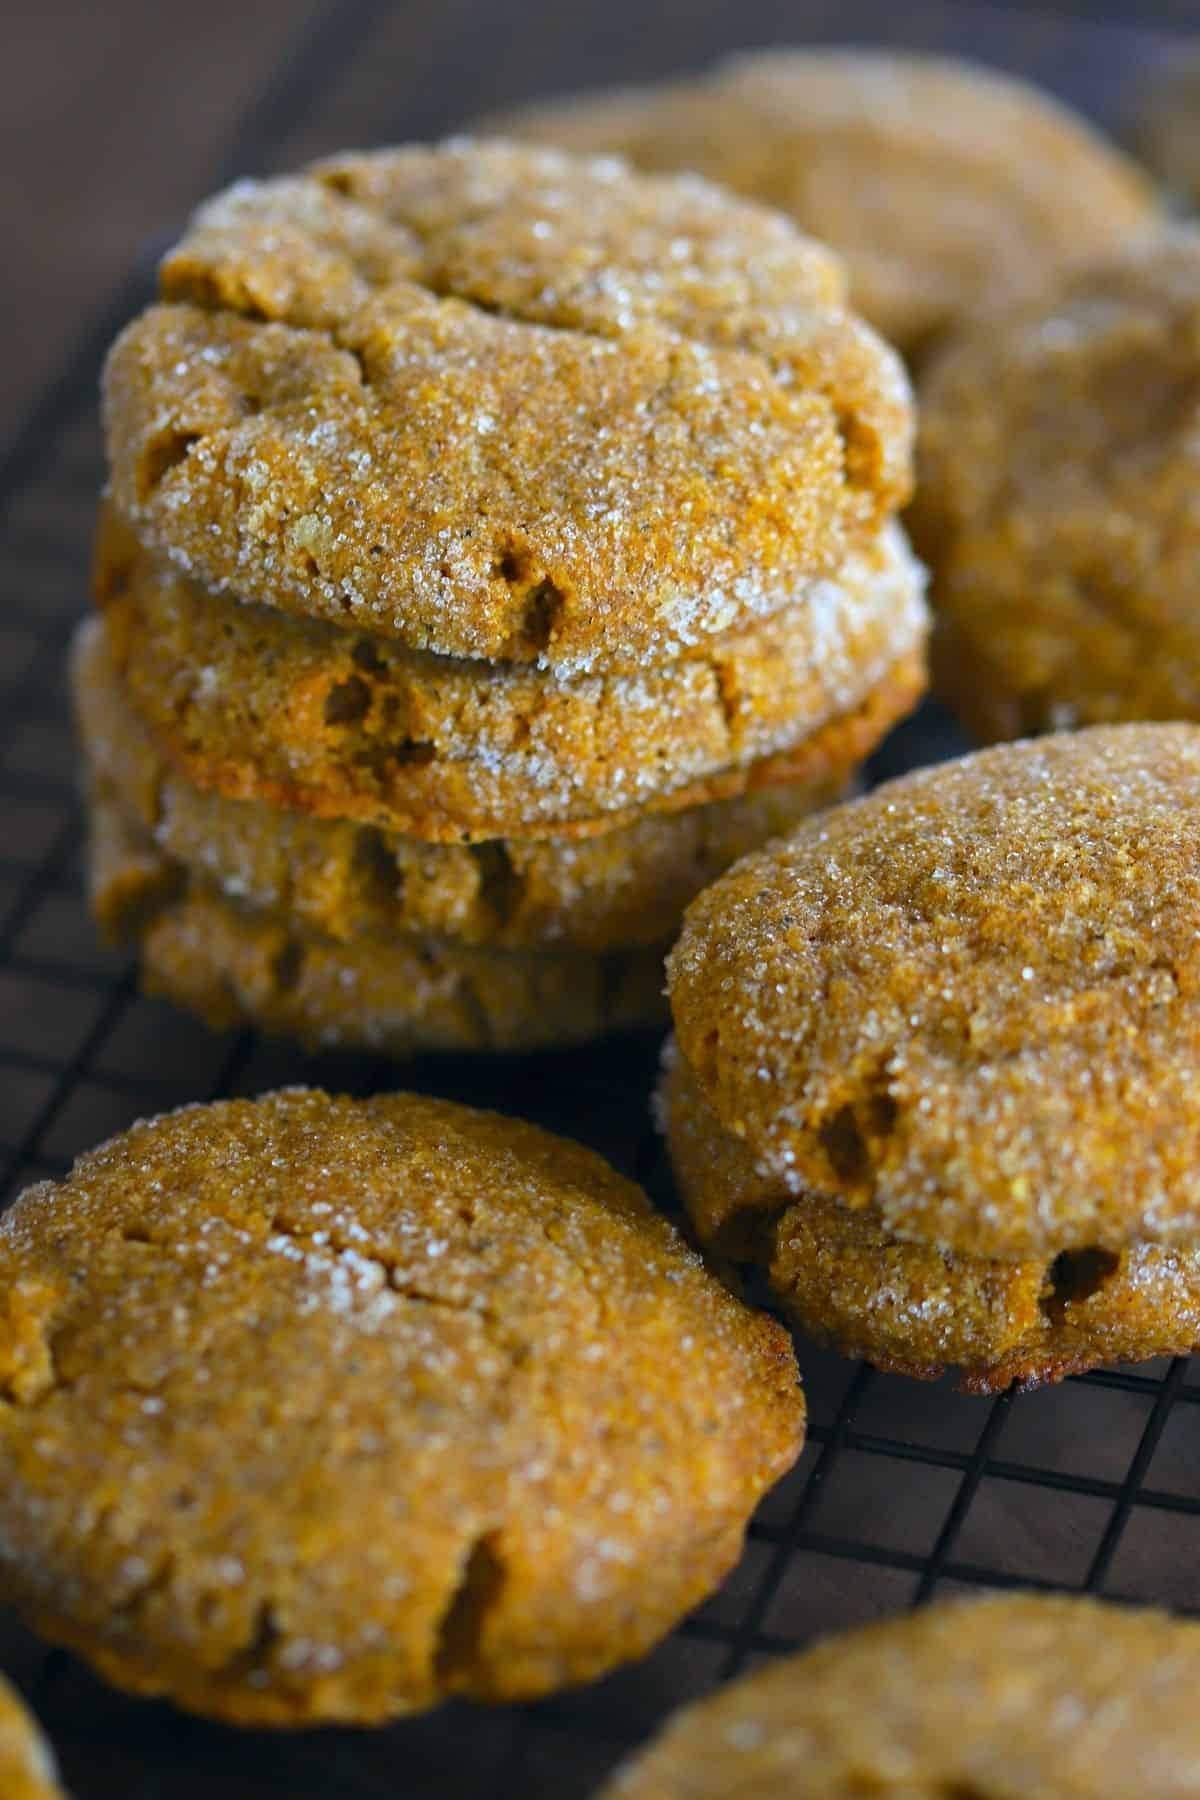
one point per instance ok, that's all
(1018, 1694)
(321, 1409)
(27, 1769)
(940, 181)
(253, 704)
(628, 887)
(502, 403)
(236, 964)
(971, 1000)
(1057, 501)
(846, 1280)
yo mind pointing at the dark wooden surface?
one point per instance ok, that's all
(115, 120)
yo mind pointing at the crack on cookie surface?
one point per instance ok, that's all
(347, 702)
(473, 1600)
(544, 605)
(162, 455)
(1074, 1277)
(855, 1136)
(501, 885)
(358, 1251)
(264, 1636)
(376, 864)
(287, 966)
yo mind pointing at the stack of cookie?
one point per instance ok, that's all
(938, 1064)
(498, 545)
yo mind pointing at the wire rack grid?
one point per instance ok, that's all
(904, 1490)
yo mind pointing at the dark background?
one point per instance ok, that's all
(115, 119)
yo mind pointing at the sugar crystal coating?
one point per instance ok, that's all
(502, 403)
(844, 1279)
(313, 1408)
(972, 999)
(347, 881)
(299, 712)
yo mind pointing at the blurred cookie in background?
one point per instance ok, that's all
(1056, 504)
(27, 1769)
(942, 182)
(1055, 1695)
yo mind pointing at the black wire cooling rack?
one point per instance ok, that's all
(904, 1490)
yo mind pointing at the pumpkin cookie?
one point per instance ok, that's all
(1055, 1695)
(27, 1769)
(501, 403)
(940, 181)
(236, 964)
(1057, 505)
(970, 1000)
(627, 887)
(846, 1280)
(315, 1409)
(254, 704)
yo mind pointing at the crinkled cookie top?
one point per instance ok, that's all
(973, 998)
(504, 403)
(313, 1408)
